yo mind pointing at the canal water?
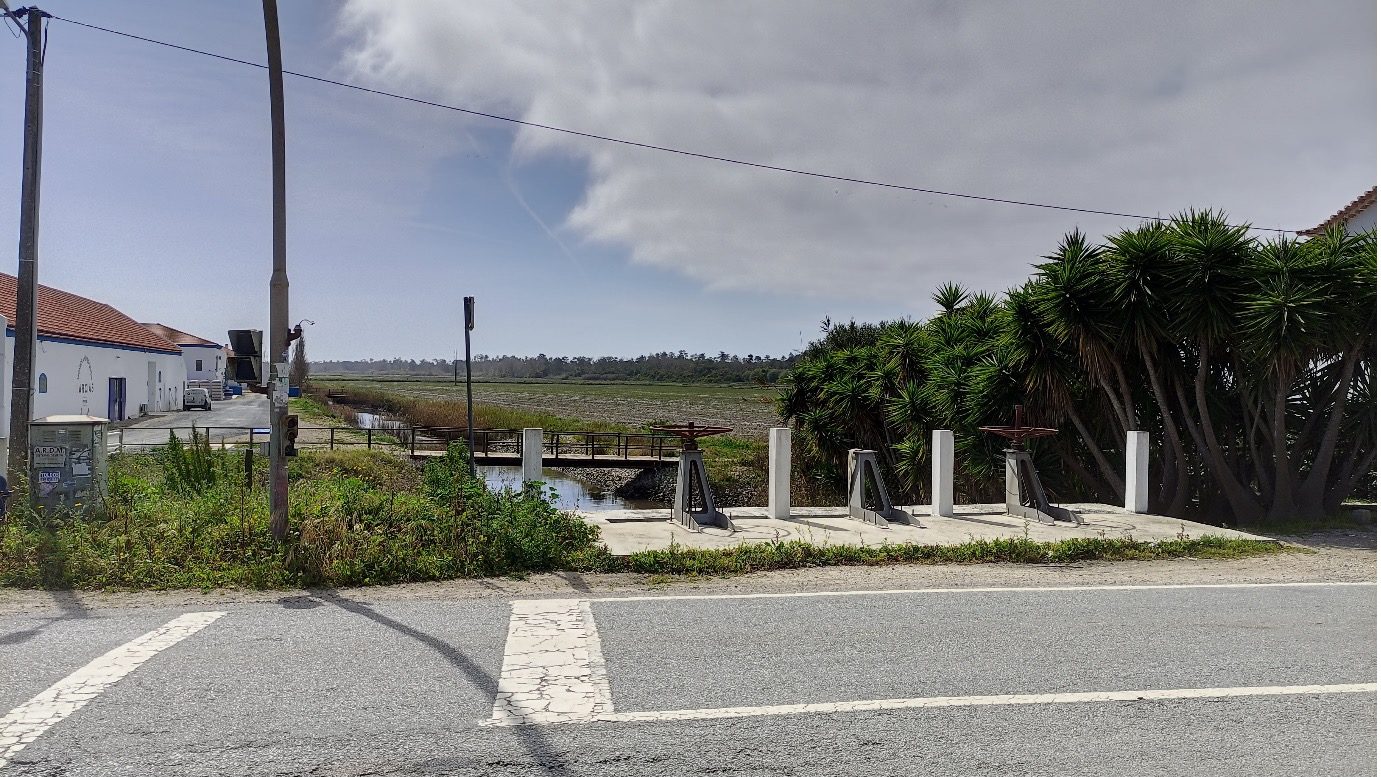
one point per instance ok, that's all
(570, 494)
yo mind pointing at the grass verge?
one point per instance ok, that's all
(742, 559)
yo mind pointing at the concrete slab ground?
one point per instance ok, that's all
(631, 531)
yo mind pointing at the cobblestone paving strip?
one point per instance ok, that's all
(29, 720)
(553, 669)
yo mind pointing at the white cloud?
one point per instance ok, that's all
(1265, 109)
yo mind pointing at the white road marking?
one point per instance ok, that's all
(29, 720)
(950, 701)
(553, 668)
(994, 589)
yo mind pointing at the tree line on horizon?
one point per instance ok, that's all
(678, 367)
(1251, 363)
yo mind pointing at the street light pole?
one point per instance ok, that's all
(26, 303)
(469, 397)
(278, 285)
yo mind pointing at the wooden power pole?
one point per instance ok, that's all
(278, 286)
(26, 304)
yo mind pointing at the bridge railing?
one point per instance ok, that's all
(623, 445)
(417, 440)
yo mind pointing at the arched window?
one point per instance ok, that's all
(43, 383)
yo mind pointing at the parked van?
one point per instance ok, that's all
(196, 397)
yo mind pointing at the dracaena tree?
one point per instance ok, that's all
(1250, 361)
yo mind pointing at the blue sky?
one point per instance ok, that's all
(156, 172)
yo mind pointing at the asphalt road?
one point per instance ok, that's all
(232, 416)
(334, 684)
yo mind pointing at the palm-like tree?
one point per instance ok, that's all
(1073, 295)
(1256, 358)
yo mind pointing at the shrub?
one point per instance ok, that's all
(187, 518)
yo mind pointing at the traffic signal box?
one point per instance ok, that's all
(245, 366)
(290, 435)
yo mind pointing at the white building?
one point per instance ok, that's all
(92, 359)
(205, 360)
(1358, 216)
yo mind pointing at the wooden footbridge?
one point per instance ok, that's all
(504, 447)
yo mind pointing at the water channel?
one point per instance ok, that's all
(570, 493)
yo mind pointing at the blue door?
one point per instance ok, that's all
(116, 409)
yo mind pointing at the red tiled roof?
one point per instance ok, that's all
(178, 336)
(1367, 199)
(63, 314)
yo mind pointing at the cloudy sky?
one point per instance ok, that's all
(156, 169)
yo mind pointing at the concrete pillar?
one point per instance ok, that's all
(1012, 483)
(532, 454)
(942, 472)
(779, 472)
(1138, 496)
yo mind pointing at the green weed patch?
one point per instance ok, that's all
(678, 560)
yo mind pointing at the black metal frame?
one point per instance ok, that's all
(493, 446)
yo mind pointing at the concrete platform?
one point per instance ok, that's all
(630, 531)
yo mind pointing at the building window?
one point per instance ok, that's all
(198, 365)
(43, 383)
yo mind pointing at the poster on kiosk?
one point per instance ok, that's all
(67, 462)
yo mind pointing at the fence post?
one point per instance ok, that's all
(122, 439)
(532, 454)
(412, 442)
(332, 444)
(368, 439)
(779, 472)
(942, 472)
(1138, 496)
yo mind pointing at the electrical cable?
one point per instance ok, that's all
(639, 144)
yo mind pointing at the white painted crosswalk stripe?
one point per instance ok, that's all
(29, 720)
(553, 668)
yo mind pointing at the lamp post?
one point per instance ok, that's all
(469, 396)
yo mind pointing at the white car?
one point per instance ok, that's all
(196, 397)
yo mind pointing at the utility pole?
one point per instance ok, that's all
(469, 398)
(278, 286)
(26, 304)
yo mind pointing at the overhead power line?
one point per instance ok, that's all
(636, 143)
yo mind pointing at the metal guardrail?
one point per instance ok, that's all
(490, 444)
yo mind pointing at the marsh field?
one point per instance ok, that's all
(749, 410)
